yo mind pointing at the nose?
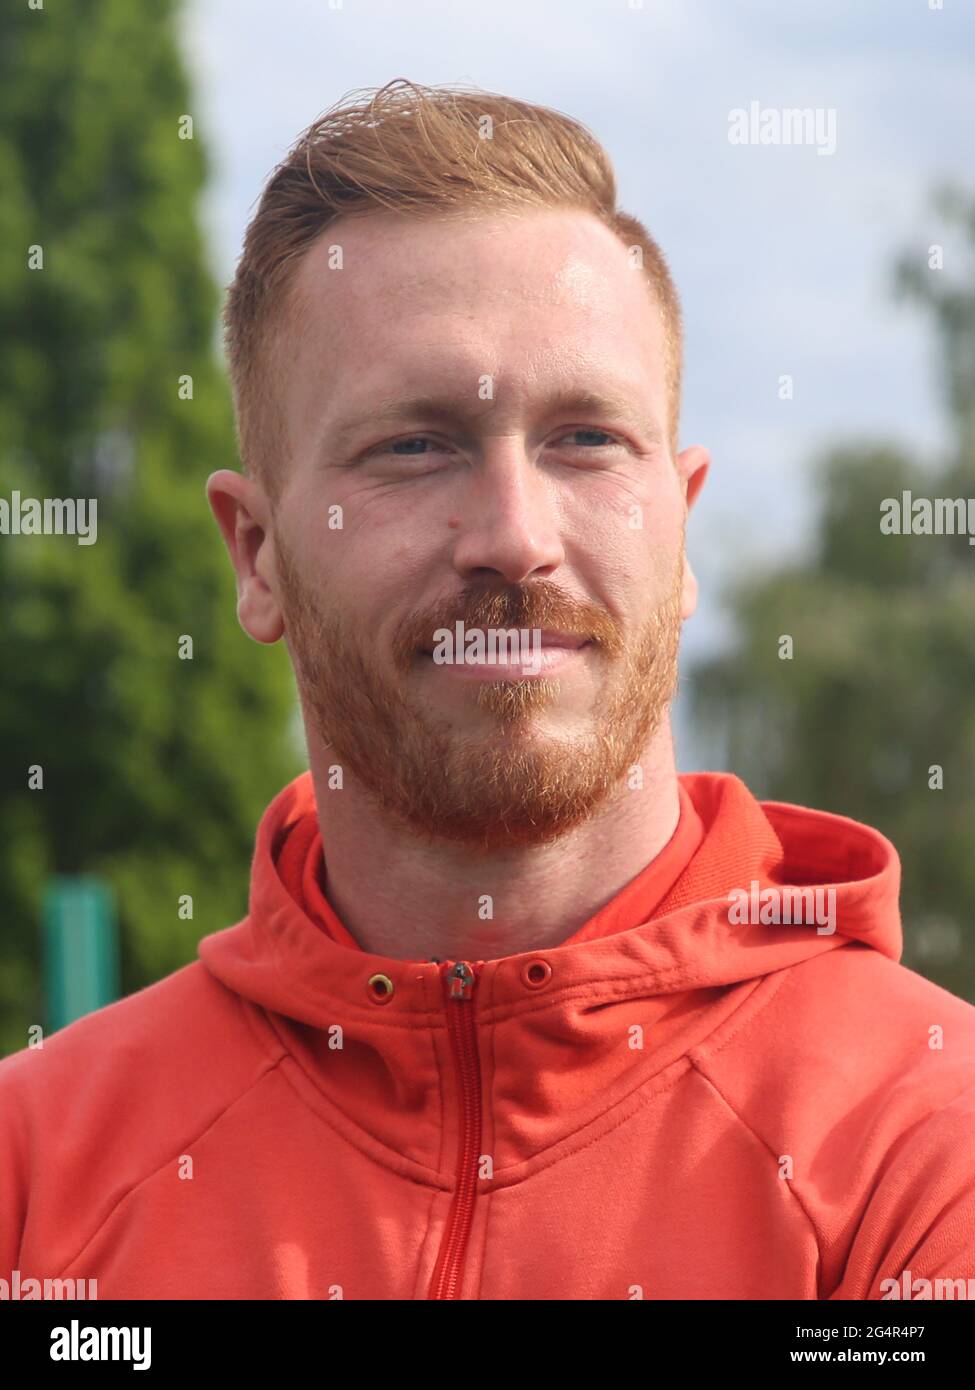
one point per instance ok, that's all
(508, 523)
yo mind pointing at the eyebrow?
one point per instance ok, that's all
(452, 411)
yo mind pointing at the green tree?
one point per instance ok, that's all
(155, 768)
(881, 687)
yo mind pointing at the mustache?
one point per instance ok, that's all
(540, 604)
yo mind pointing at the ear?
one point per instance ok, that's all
(242, 512)
(692, 469)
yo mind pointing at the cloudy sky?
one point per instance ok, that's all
(782, 255)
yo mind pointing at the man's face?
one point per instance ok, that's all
(435, 396)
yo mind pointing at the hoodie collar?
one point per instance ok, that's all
(280, 958)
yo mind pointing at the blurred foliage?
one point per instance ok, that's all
(882, 683)
(156, 769)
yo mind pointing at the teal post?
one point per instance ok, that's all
(80, 948)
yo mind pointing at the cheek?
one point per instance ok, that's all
(662, 538)
(393, 535)
(376, 586)
(632, 541)
(644, 498)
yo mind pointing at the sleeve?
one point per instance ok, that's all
(917, 1236)
(14, 1165)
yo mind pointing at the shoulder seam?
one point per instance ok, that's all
(709, 1081)
(269, 1066)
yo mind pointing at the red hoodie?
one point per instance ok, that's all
(673, 1103)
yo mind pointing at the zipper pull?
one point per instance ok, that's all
(460, 979)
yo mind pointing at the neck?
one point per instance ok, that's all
(414, 899)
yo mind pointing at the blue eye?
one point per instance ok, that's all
(594, 432)
(402, 444)
(414, 446)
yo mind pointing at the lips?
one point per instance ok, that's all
(571, 640)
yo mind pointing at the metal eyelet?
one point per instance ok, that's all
(380, 989)
(536, 973)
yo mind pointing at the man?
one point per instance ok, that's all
(517, 1012)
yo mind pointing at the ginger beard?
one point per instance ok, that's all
(509, 786)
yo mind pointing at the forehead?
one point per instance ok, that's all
(524, 295)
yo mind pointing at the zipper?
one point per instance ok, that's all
(459, 979)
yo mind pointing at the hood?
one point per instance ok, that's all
(710, 930)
